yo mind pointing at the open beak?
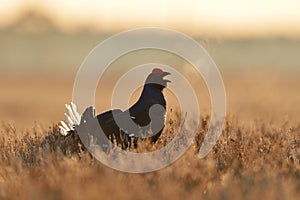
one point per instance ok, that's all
(166, 74)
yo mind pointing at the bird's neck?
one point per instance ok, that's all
(153, 90)
(156, 88)
(150, 95)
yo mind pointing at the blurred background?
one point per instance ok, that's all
(255, 44)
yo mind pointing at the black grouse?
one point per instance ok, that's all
(148, 115)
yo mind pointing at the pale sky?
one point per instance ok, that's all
(228, 17)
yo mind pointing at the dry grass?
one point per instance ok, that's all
(256, 157)
(257, 161)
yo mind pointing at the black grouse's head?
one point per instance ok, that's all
(156, 79)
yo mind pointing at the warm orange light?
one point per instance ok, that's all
(217, 17)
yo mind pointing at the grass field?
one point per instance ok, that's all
(256, 157)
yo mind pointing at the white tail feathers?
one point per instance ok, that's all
(72, 118)
(75, 113)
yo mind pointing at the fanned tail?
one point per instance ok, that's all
(72, 118)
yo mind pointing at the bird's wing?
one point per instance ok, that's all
(107, 117)
(112, 122)
(107, 122)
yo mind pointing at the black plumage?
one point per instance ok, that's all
(145, 119)
(152, 120)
